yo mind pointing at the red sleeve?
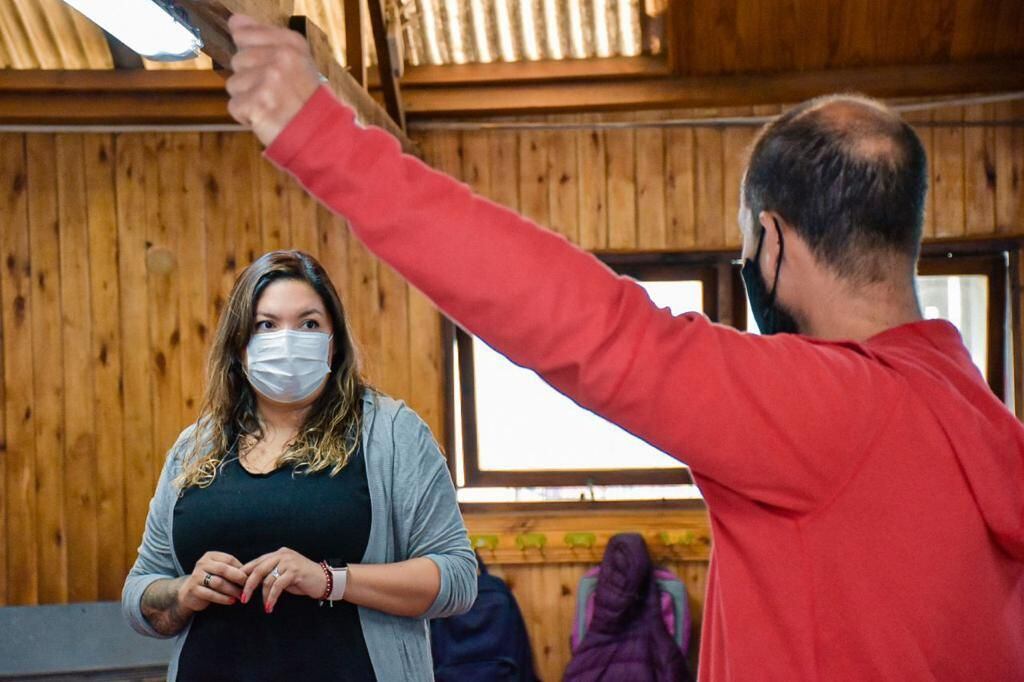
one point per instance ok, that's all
(781, 419)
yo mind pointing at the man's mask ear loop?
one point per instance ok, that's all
(778, 263)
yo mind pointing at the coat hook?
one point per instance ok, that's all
(489, 542)
(580, 540)
(525, 541)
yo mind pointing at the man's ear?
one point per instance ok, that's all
(775, 232)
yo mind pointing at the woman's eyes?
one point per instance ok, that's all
(264, 325)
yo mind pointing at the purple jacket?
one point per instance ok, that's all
(627, 639)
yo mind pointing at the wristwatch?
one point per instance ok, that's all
(339, 572)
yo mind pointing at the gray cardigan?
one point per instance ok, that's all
(414, 514)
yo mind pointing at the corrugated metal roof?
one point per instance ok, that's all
(49, 34)
(484, 31)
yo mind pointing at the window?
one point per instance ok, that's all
(517, 439)
(969, 290)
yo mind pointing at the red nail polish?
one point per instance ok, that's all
(266, 608)
(232, 602)
(245, 598)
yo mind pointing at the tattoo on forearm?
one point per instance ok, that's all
(160, 607)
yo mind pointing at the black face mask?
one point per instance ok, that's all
(770, 316)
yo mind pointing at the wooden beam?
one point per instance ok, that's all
(345, 86)
(505, 73)
(385, 68)
(712, 91)
(211, 17)
(131, 97)
(354, 40)
(123, 56)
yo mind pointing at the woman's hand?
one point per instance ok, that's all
(216, 579)
(295, 574)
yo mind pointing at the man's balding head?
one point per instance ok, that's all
(850, 176)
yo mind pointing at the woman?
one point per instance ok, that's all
(305, 527)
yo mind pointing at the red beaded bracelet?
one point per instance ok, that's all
(330, 580)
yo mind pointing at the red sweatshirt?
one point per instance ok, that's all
(866, 499)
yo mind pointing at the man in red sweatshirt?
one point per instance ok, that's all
(865, 488)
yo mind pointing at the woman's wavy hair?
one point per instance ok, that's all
(228, 415)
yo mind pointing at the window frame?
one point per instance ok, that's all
(994, 259)
(995, 265)
(725, 303)
(642, 267)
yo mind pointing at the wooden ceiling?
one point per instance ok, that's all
(704, 37)
(716, 37)
(679, 54)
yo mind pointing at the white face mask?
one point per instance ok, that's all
(287, 366)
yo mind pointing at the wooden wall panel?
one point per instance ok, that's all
(118, 254)
(545, 581)
(104, 290)
(80, 470)
(22, 568)
(120, 250)
(48, 365)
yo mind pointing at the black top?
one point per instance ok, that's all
(247, 515)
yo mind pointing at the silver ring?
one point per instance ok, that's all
(275, 573)
(207, 579)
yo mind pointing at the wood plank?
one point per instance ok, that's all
(124, 97)
(106, 360)
(503, 160)
(16, 307)
(132, 179)
(603, 524)
(979, 173)
(363, 304)
(563, 184)
(1009, 163)
(736, 147)
(165, 157)
(394, 362)
(621, 159)
(65, 36)
(218, 223)
(193, 323)
(851, 36)
(244, 159)
(274, 209)
(651, 156)
(476, 169)
(302, 219)
(94, 44)
(333, 239)
(949, 173)
(534, 198)
(679, 189)
(927, 136)
(48, 366)
(80, 466)
(43, 40)
(708, 187)
(3, 451)
(3, 446)
(14, 36)
(592, 155)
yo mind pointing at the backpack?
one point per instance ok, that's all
(488, 643)
(675, 608)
